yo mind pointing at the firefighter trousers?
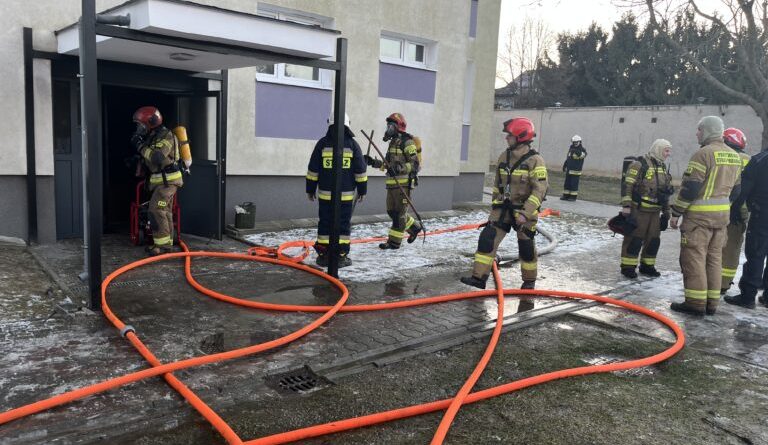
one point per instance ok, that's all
(755, 249)
(493, 234)
(161, 214)
(643, 241)
(324, 227)
(571, 185)
(731, 252)
(701, 250)
(397, 209)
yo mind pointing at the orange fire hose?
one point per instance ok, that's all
(262, 255)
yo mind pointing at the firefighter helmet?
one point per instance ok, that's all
(734, 138)
(576, 138)
(399, 120)
(622, 225)
(521, 128)
(149, 116)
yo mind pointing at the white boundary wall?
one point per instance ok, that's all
(608, 140)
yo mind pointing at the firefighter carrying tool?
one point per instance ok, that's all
(520, 187)
(159, 150)
(402, 165)
(703, 203)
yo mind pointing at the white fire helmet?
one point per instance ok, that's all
(346, 119)
(576, 138)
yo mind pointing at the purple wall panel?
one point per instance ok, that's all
(473, 19)
(402, 82)
(465, 142)
(291, 112)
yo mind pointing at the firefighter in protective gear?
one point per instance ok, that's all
(520, 187)
(754, 191)
(734, 138)
(353, 179)
(572, 166)
(159, 150)
(645, 192)
(704, 204)
(403, 160)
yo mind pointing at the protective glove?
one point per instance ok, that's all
(360, 198)
(736, 216)
(673, 222)
(564, 164)
(375, 163)
(664, 221)
(137, 141)
(395, 169)
(311, 196)
(626, 210)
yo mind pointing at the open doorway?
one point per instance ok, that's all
(118, 105)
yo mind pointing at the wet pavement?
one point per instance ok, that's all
(50, 345)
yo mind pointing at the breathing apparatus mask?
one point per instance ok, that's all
(141, 129)
(391, 131)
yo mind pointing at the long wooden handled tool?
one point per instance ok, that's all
(367, 153)
(402, 190)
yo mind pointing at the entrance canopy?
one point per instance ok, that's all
(195, 28)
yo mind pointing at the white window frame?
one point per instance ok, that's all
(430, 51)
(325, 77)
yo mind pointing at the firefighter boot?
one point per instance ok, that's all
(529, 284)
(344, 261)
(649, 270)
(413, 234)
(686, 309)
(763, 299)
(629, 272)
(474, 281)
(155, 250)
(388, 245)
(740, 300)
(322, 260)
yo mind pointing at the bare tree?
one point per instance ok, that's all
(525, 47)
(744, 24)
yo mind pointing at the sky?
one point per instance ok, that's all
(568, 15)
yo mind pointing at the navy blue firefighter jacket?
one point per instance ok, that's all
(353, 172)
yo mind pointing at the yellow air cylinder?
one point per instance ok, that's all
(184, 152)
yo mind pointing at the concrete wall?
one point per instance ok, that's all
(433, 193)
(608, 140)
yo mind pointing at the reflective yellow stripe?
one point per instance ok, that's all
(391, 181)
(162, 240)
(157, 178)
(528, 266)
(627, 261)
(483, 259)
(713, 294)
(709, 208)
(697, 294)
(409, 223)
(161, 204)
(649, 261)
(630, 180)
(361, 178)
(396, 234)
(727, 158)
(536, 201)
(729, 273)
(693, 165)
(312, 177)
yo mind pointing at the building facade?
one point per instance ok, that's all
(251, 128)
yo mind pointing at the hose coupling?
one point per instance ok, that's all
(128, 328)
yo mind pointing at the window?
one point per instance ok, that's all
(289, 73)
(405, 51)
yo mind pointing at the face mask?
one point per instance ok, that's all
(141, 129)
(391, 131)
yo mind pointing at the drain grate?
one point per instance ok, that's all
(297, 381)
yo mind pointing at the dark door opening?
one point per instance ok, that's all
(118, 106)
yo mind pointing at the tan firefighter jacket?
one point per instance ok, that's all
(708, 180)
(402, 154)
(526, 186)
(161, 155)
(647, 185)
